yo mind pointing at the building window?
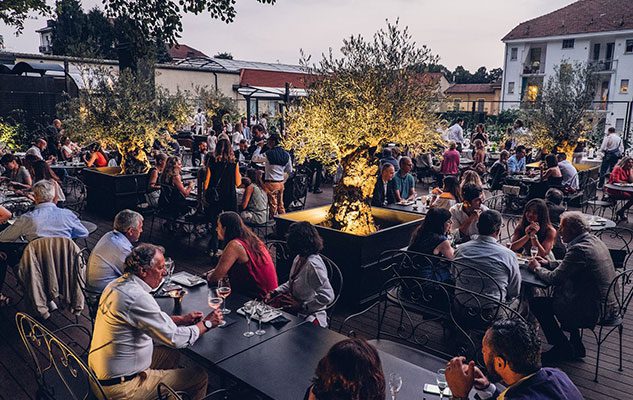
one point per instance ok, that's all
(629, 46)
(457, 104)
(624, 86)
(619, 125)
(514, 53)
(510, 87)
(568, 43)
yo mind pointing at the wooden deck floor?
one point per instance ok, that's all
(17, 379)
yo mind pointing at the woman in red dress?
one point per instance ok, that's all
(622, 174)
(245, 258)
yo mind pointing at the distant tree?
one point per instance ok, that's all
(225, 55)
(14, 12)
(70, 34)
(495, 74)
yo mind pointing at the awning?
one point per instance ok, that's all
(270, 93)
(37, 68)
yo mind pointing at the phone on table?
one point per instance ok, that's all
(434, 389)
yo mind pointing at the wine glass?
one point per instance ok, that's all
(261, 309)
(169, 267)
(440, 378)
(215, 302)
(395, 383)
(533, 251)
(224, 290)
(248, 313)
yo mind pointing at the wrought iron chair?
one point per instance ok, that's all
(75, 191)
(511, 222)
(185, 223)
(604, 328)
(265, 228)
(336, 279)
(61, 373)
(167, 393)
(619, 240)
(91, 297)
(295, 196)
(590, 200)
(495, 202)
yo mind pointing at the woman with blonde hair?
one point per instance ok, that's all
(470, 176)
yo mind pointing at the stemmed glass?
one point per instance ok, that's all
(224, 290)
(440, 378)
(395, 383)
(261, 309)
(533, 251)
(215, 302)
(169, 267)
(248, 313)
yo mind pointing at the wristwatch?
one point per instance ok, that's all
(207, 324)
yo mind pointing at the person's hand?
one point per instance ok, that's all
(216, 317)
(192, 318)
(481, 382)
(533, 264)
(289, 303)
(460, 377)
(208, 274)
(269, 296)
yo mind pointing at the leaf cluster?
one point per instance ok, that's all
(14, 12)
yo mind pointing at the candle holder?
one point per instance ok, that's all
(177, 295)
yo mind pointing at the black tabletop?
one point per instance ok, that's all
(222, 343)
(408, 208)
(290, 360)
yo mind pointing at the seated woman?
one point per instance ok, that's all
(17, 174)
(255, 201)
(449, 195)
(431, 237)
(470, 176)
(173, 194)
(153, 184)
(245, 258)
(622, 174)
(308, 290)
(534, 230)
(499, 171)
(96, 157)
(479, 157)
(551, 176)
(480, 133)
(42, 170)
(350, 370)
(68, 149)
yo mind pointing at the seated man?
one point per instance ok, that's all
(554, 200)
(388, 158)
(581, 281)
(485, 253)
(107, 260)
(516, 163)
(385, 189)
(465, 215)
(569, 172)
(242, 154)
(511, 350)
(405, 183)
(122, 354)
(46, 220)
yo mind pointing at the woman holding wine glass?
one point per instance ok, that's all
(534, 230)
(245, 260)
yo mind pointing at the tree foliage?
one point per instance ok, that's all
(560, 116)
(462, 75)
(163, 18)
(225, 55)
(358, 103)
(14, 12)
(216, 105)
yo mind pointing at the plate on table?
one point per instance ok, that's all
(405, 203)
(269, 314)
(184, 278)
(623, 184)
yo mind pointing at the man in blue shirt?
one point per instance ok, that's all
(405, 184)
(512, 354)
(516, 163)
(107, 260)
(46, 220)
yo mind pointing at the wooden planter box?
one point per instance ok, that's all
(357, 256)
(110, 192)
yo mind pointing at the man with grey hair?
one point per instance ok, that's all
(107, 260)
(581, 282)
(129, 322)
(46, 220)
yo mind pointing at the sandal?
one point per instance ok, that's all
(4, 300)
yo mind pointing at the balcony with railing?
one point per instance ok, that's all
(534, 68)
(604, 66)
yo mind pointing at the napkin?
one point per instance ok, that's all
(279, 322)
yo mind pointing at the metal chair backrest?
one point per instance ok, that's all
(92, 297)
(590, 190)
(511, 222)
(299, 192)
(75, 191)
(619, 240)
(623, 292)
(335, 277)
(61, 362)
(165, 392)
(278, 250)
(495, 202)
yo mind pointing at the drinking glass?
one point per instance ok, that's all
(248, 313)
(169, 267)
(533, 251)
(261, 309)
(395, 383)
(215, 302)
(224, 290)
(440, 378)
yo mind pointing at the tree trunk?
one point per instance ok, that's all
(351, 208)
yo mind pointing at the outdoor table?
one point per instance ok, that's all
(622, 188)
(408, 208)
(91, 227)
(524, 178)
(222, 343)
(597, 223)
(579, 167)
(69, 165)
(291, 358)
(528, 277)
(595, 161)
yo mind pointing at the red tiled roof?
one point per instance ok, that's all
(182, 51)
(471, 88)
(277, 79)
(584, 16)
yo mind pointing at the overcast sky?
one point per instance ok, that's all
(461, 32)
